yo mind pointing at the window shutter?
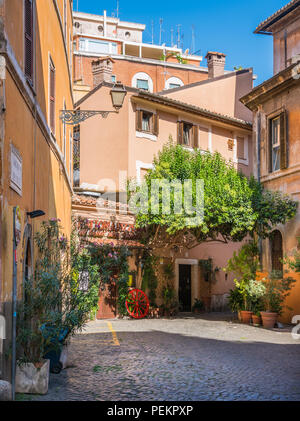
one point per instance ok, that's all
(195, 136)
(283, 141)
(179, 132)
(52, 98)
(270, 145)
(28, 35)
(139, 115)
(155, 124)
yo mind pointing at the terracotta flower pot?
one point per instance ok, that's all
(256, 320)
(268, 319)
(246, 316)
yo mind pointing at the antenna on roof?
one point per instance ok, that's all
(193, 40)
(178, 35)
(118, 8)
(152, 27)
(77, 5)
(160, 30)
(172, 37)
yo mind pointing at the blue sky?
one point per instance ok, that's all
(221, 25)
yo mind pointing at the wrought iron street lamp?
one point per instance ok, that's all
(73, 117)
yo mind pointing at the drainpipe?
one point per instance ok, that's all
(14, 310)
(258, 146)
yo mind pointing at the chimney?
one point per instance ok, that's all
(102, 70)
(215, 64)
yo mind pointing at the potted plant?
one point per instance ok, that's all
(244, 265)
(58, 300)
(277, 288)
(235, 301)
(256, 319)
(198, 306)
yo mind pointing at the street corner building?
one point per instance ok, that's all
(276, 133)
(35, 146)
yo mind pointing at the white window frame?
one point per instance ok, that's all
(142, 76)
(173, 80)
(275, 145)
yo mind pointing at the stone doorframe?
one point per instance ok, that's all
(195, 276)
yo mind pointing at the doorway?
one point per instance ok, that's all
(185, 287)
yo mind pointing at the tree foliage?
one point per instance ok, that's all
(234, 206)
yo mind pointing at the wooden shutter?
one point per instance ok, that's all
(155, 124)
(270, 149)
(179, 132)
(28, 35)
(138, 120)
(52, 97)
(283, 141)
(195, 136)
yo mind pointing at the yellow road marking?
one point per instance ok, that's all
(114, 334)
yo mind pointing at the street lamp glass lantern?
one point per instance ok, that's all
(118, 94)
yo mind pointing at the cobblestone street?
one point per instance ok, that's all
(205, 358)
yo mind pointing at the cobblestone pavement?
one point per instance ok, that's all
(203, 358)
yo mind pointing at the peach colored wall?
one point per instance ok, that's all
(109, 145)
(125, 70)
(220, 95)
(104, 142)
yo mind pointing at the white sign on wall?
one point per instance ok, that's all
(15, 170)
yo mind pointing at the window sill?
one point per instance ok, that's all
(146, 135)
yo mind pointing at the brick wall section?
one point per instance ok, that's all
(124, 70)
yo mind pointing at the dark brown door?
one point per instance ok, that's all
(185, 290)
(107, 303)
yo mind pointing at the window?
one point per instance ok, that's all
(142, 80)
(277, 143)
(142, 84)
(52, 96)
(96, 46)
(147, 122)
(28, 39)
(276, 251)
(187, 134)
(113, 79)
(173, 82)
